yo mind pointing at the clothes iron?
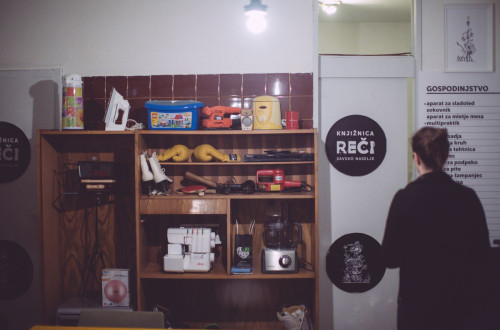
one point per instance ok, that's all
(117, 114)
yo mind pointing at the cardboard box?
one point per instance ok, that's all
(115, 287)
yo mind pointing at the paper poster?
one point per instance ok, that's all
(468, 106)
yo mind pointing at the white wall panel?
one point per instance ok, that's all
(146, 37)
(30, 100)
(360, 204)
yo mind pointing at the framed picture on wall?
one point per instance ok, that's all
(469, 37)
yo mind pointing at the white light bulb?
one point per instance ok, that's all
(329, 9)
(256, 21)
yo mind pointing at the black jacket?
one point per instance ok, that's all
(436, 233)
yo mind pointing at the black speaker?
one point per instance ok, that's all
(16, 276)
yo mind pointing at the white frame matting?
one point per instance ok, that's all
(469, 37)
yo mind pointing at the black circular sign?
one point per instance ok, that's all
(16, 270)
(3, 323)
(356, 145)
(15, 152)
(354, 263)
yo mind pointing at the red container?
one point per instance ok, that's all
(292, 120)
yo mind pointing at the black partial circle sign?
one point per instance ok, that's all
(356, 145)
(15, 152)
(16, 270)
(354, 263)
(3, 323)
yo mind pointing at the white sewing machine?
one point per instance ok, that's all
(190, 249)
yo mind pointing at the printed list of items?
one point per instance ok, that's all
(470, 111)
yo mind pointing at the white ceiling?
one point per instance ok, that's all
(370, 11)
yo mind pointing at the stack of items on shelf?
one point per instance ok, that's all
(191, 115)
(155, 182)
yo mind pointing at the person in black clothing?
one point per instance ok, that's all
(436, 233)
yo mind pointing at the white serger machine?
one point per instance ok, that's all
(190, 249)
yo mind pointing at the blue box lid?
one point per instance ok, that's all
(173, 105)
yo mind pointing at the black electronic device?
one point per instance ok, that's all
(97, 176)
(279, 156)
(247, 187)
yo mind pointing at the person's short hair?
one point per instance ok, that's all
(432, 146)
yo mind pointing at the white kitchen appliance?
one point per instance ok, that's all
(280, 260)
(281, 238)
(117, 106)
(190, 250)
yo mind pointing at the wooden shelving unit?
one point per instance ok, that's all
(195, 299)
(66, 215)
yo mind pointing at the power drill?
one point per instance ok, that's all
(274, 180)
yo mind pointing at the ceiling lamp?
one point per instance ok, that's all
(256, 13)
(329, 6)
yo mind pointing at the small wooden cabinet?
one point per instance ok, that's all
(70, 219)
(194, 299)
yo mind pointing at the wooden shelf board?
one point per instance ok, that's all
(179, 132)
(257, 195)
(236, 163)
(85, 132)
(230, 132)
(154, 271)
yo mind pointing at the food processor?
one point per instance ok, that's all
(281, 238)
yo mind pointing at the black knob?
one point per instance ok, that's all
(285, 261)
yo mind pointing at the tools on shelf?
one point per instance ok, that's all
(228, 187)
(266, 180)
(220, 117)
(274, 180)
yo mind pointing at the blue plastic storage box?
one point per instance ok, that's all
(173, 115)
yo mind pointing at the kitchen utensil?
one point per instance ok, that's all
(281, 238)
(266, 112)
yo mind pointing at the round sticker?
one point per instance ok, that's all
(3, 323)
(355, 145)
(16, 270)
(354, 263)
(15, 152)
